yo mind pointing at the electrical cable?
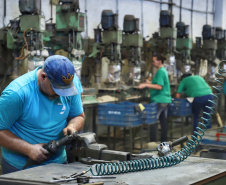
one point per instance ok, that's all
(177, 157)
(21, 57)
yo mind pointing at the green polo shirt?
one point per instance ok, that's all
(194, 86)
(163, 95)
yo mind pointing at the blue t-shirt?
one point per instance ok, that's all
(78, 84)
(33, 117)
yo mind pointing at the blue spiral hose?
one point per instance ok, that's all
(177, 157)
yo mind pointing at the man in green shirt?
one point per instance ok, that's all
(159, 93)
(196, 87)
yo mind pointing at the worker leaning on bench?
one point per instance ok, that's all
(197, 88)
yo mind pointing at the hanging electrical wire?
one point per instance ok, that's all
(21, 57)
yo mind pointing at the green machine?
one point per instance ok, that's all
(22, 41)
(204, 53)
(209, 42)
(210, 49)
(165, 40)
(106, 51)
(197, 54)
(131, 50)
(64, 37)
(183, 46)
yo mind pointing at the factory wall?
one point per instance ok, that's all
(147, 10)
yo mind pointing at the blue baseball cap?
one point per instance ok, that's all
(60, 72)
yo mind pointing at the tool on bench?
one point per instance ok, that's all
(80, 178)
(164, 148)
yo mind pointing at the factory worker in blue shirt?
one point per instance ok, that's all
(34, 109)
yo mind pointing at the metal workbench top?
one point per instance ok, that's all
(192, 170)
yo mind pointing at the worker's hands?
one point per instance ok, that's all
(69, 130)
(177, 95)
(38, 153)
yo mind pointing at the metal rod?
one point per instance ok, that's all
(51, 14)
(192, 6)
(207, 2)
(170, 7)
(69, 41)
(73, 39)
(4, 8)
(86, 19)
(160, 5)
(37, 40)
(142, 17)
(4, 13)
(117, 10)
(180, 10)
(40, 11)
(213, 3)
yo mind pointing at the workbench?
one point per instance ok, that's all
(194, 170)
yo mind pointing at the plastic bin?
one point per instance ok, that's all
(150, 113)
(180, 107)
(120, 114)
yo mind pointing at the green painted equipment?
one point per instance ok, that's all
(221, 43)
(66, 33)
(36, 22)
(70, 20)
(131, 50)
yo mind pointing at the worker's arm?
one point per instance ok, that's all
(148, 81)
(11, 142)
(178, 95)
(74, 124)
(149, 85)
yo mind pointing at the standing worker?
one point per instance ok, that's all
(159, 93)
(196, 87)
(43, 101)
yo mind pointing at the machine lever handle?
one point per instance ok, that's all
(179, 141)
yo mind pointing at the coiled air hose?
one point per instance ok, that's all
(177, 157)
